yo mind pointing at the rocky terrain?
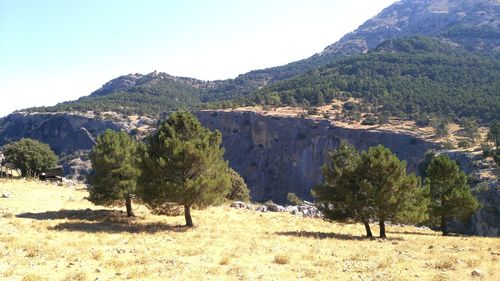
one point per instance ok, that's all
(452, 20)
(278, 155)
(64, 132)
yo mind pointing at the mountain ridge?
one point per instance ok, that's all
(472, 26)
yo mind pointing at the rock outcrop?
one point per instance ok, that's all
(63, 132)
(278, 155)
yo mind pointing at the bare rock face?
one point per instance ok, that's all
(277, 155)
(64, 133)
(471, 24)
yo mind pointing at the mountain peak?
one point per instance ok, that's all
(423, 17)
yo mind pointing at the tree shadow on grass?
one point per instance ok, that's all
(437, 234)
(331, 235)
(108, 226)
(82, 214)
(413, 233)
(94, 221)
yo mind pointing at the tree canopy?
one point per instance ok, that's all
(183, 164)
(115, 162)
(450, 194)
(367, 186)
(30, 156)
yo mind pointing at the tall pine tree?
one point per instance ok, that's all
(450, 194)
(340, 197)
(393, 195)
(115, 163)
(183, 164)
(370, 186)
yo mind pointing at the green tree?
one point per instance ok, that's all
(239, 189)
(294, 199)
(115, 162)
(471, 129)
(424, 163)
(441, 129)
(394, 195)
(494, 134)
(373, 185)
(183, 164)
(340, 197)
(30, 156)
(450, 194)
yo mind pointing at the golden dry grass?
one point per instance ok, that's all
(47, 233)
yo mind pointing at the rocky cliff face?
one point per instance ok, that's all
(472, 24)
(65, 133)
(276, 155)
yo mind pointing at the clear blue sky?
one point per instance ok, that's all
(58, 50)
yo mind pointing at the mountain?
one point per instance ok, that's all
(410, 76)
(153, 93)
(471, 26)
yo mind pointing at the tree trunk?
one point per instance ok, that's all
(443, 225)
(368, 230)
(128, 205)
(381, 224)
(187, 215)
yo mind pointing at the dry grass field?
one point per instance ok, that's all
(51, 233)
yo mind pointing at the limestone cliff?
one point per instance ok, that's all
(277, 155)
(64, 133)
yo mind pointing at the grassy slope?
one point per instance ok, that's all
(227, 244)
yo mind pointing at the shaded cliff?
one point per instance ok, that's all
(277, 155)
(64, 133)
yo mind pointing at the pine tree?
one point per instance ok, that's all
(239, 189)
(115, 163)
(394, 195)
(30, 156)
(340, 197)
(183, 164)
(494, 134)
(367, 186)
(450, 194)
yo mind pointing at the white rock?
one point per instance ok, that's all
(238, 205)
(6, 195)
(477, 273)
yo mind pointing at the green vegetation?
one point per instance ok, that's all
(372, 185)
(239, 189)
(183, 164)
(494, 134)
(409, 76)
(152, 95)
(450, 194)
(413, 77)
(30, 156)
(294, 199)
(115, 162)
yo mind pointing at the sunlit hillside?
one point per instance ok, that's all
(49, 232)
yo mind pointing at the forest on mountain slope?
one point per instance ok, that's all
(405, 76)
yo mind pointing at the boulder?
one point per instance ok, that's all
(477, 273)
(261, 209)
(272, 207)
(6, 195)
(238, 205)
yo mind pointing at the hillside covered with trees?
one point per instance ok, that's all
(406, 76)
